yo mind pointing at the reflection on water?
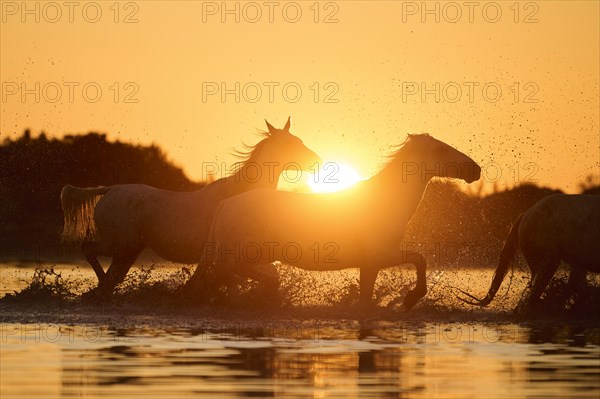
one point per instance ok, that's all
(303, 359)
(125, 353)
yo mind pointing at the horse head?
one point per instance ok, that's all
(287, 150)
(442, 160)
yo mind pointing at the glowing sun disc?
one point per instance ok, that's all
(333, 176)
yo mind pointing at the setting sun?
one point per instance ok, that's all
(333, 176)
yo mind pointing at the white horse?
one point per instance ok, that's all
(362, 226)
(558, 227)
(121, 220)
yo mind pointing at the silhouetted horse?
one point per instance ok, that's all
(362, 226)
(121, 220)
(558, 227)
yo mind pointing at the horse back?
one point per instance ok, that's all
(564, 226)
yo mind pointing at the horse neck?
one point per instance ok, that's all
(253, 173)
(396, 192)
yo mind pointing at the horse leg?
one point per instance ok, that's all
(576, 283)
(368, 276)
(117, 271)
(420, 290)
(203, 279)
(204, 283)
(90, 251)
(576, 279)
(270, 277)
(199, 277)
(541, 274)
(266, 274)
(413, 296)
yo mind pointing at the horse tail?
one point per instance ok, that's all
(78, 206)
(507, 256)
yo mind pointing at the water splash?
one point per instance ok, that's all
(153, 287)
(46, 286)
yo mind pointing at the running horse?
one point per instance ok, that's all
(120, 221)
(560, 227)
(362, 226)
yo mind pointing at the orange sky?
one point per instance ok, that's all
(370, 57)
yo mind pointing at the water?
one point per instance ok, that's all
(300, 359)
(74, 350)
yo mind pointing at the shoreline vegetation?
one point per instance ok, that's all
(451, 226)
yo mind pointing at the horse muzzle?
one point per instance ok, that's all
(473, 173)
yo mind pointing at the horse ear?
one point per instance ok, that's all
(270, 127)
(288, 124)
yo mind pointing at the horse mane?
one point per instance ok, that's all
(249, 151)
(393, 157)
(399, 147)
